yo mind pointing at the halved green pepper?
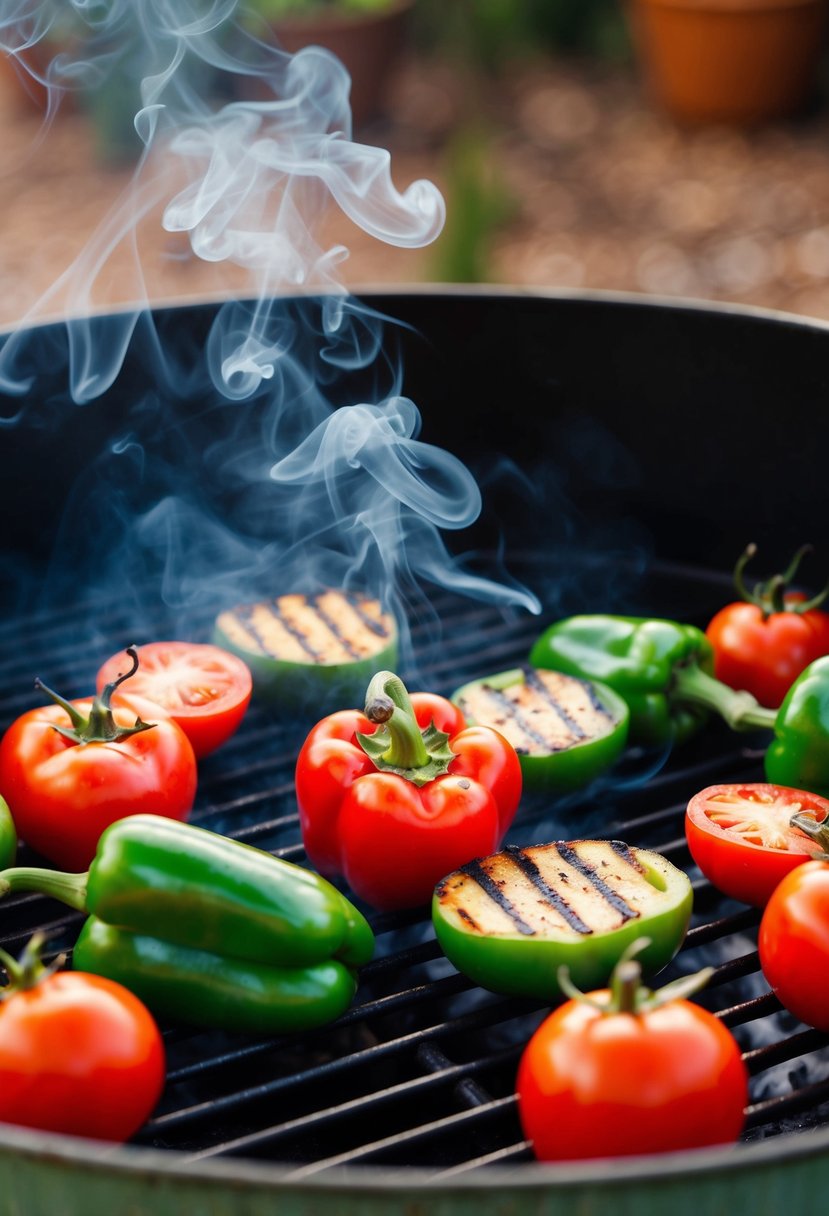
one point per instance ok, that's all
(509, 921)
(210, 930)
(565, 730)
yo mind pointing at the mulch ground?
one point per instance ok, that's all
(594, 190)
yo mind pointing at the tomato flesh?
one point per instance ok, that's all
(741, 838)
(204, 689)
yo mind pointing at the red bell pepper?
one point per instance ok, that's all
(397, 797)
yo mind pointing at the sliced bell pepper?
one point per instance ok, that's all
(395, 797)
(210, 930)
(565, 730)
(509, 921)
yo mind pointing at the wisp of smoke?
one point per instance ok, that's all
(335, 491)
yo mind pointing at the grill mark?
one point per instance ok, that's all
(475, 871)
(245, 613)
(626, 853)
(510, 710)
(552, 897)
(357, 603)
(571, 857)
(537, 684)
(333, 628)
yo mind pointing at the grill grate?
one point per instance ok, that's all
(420, 1071)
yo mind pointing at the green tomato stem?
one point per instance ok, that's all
(100, 726)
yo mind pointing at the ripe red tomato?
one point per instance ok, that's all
(79, 1054)
(599, 1084)
(203, 688)
(63, 794)
(793, 943)
(764, 654)
(741, 838)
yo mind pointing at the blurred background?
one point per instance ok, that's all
(667, 147)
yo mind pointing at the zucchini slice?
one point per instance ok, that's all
(311, 651)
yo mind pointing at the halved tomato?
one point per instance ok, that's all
(203, 688)
(741, 837)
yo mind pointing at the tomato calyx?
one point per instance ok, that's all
(100, 725)
(626, 993)
(29, 970)
(399, 745)
(773, 595)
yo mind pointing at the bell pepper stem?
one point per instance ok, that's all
(388, 703)
(740, 709)
(70, 889)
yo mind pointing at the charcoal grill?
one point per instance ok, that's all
(628, 451)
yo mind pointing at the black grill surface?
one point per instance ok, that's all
(420, 1071)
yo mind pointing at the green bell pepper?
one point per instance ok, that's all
(511, 920)
(799, 753)
(662, 669)
(8, 835)
(566, 731)
(663, 672)
(210, 930)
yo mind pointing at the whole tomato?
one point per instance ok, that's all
(624, 1071)
(793, 943)
(79, 1054)
(70, 769)
(395, 798)
(765, 640)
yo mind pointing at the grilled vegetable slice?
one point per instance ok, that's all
(310, 650)
(510, 920)
(566, 730)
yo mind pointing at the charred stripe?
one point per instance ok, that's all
(357, 602)
(476, 872)
(554, 898)
(627, 854)
(246, 614)
(537, 685)
(333, 628)
(508, 709)
(571, 857)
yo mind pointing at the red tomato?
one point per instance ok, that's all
(741, 838)
(63, 794)
(598, 1084)
(79, 1054)
(203, 688)
(764, 654)
(794, 943)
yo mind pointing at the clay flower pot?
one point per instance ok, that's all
(734, 61)
(368, 43)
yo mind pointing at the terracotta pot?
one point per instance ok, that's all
(737, 61)
(368, 44)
